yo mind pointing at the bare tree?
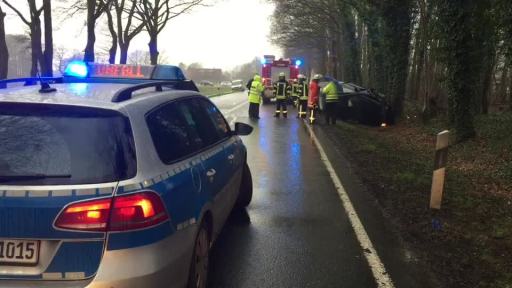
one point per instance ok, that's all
(60, 55)
(113, 34)
(48, 39)
(63, 57)
(34, 25)
(19, 55)
(155, 14)
(94, 8)
(139, 57)
(4, 53)
(125, 12)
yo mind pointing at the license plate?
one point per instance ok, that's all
(20, 252)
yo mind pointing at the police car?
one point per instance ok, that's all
(114, 176)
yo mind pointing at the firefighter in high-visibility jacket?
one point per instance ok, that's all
(255, 92)
(282, 91)
(314, 97)
(332, 98)
(302, 94)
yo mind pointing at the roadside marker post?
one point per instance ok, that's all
(438, 179)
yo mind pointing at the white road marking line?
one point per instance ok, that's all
(230, 111)
(236, 107)
(378, 270)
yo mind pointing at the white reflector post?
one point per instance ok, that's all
(436, 194)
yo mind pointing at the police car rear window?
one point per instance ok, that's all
(59, 145)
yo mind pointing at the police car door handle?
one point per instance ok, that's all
(211, 173)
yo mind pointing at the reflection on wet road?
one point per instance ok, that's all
(294, 233)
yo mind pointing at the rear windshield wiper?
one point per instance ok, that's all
(21, 177)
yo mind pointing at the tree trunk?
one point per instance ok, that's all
(37, 48)
(455, 18)
(364, 56)
(423, 34)
(91, 36)
(424, 87)
(113, 48)
(352, 51)
(509, 92)
(486, 84)
(327, 57)
(112, 52)
(124, 52)
(153, 48)
(397, 49)
(413, 69)
(502, 89)
(48, 39)
(378, 77)
(4, 53)
(340, 53)
(323, 60)
(333, 51)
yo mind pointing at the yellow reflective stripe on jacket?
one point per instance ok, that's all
(331, 92)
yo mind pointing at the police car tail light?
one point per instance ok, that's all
(85, 216)
(135, 211)
(121, 213)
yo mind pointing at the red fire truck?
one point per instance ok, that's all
(271, 68)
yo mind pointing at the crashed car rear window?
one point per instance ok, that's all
(59, 145)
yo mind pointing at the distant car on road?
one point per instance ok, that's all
(206, 83)
(238, 85)
(361, 105)
(226, 84)
(113, 181)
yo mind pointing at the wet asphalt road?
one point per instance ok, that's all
(295, 233)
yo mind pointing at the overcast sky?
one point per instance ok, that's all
(230, 33)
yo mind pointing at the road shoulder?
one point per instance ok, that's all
(405, 268)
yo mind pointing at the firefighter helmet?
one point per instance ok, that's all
(282, 74)
(317, 77)
(301, 76)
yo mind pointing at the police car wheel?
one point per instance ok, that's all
(198, 275)
(245, 191)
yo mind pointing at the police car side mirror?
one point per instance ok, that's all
(243, 129)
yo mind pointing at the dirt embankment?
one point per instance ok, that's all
(469, 242)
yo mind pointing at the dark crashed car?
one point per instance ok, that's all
(362, 105)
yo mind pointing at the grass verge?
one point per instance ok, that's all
(212, 91)
(472, 246)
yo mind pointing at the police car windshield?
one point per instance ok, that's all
(77, 145)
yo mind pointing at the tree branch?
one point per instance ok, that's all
(17, 12)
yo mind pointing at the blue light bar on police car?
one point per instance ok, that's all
(79, 69)
(76, 69)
